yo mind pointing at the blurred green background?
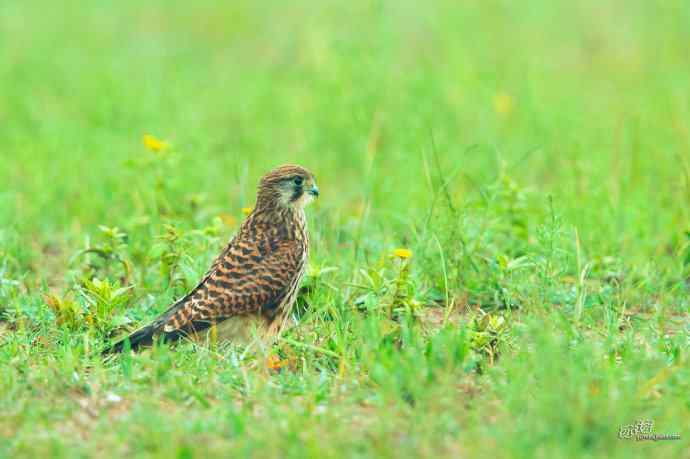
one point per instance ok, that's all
(534, 156)
(587, 102)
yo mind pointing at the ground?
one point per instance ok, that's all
(534, 159)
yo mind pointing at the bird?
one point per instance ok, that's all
(252, 284)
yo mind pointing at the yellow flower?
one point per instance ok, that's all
(247, 210)
(503, 103)
(154, 144)
(274, 362)
(402, 253)
(228, 219)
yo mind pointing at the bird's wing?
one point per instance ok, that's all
(249, 277)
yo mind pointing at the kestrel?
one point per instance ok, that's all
(255, 278)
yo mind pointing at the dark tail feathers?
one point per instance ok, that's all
(140, 338)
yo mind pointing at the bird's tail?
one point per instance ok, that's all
(142, 337)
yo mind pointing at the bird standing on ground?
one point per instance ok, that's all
(255, 278)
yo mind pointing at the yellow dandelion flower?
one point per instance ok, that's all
(402, 253)
(503, 103)
(275, 363)
(247, 210)
(154, 144)
(228, 219)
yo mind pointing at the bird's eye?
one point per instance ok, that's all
(298, 181)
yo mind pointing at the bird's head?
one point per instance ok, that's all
(288, 186)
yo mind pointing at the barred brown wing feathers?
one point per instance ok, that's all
(245, 281)
(180, 307)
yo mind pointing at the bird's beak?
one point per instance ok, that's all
(314, 191)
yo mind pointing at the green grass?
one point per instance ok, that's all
(534, 157)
